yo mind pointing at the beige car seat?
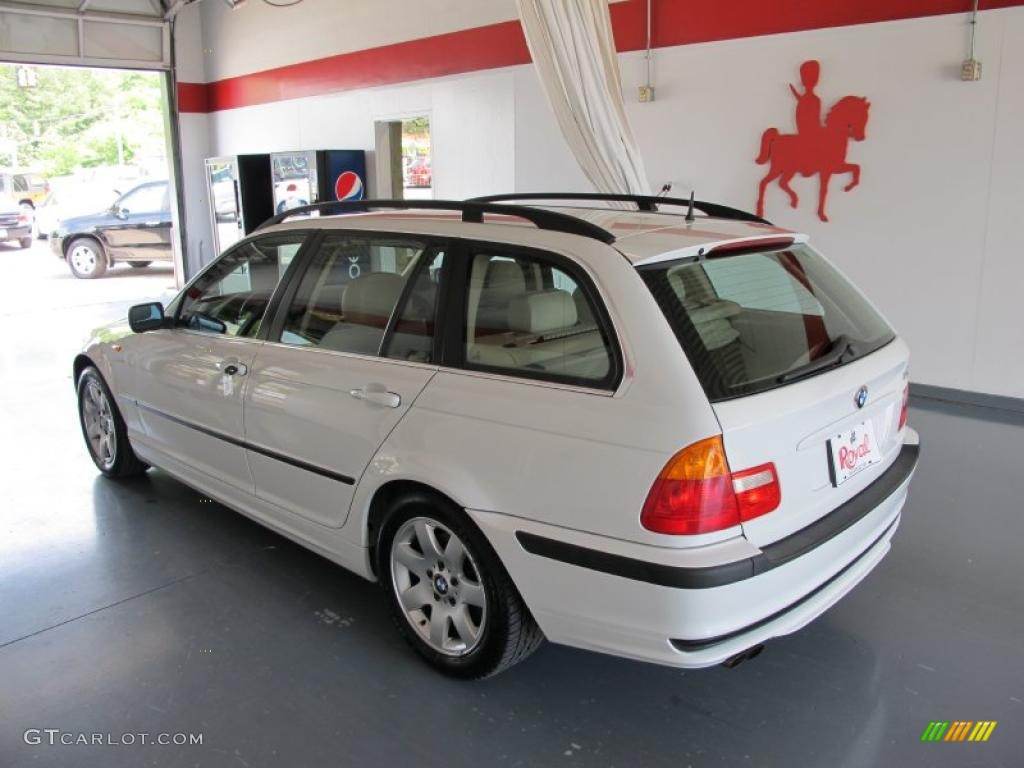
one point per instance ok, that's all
(544, 336)
(366, 306)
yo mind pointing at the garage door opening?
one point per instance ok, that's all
(84, 174)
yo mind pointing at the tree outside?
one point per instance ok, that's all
(59, 120)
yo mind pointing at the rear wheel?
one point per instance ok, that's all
(139, 264)
(449, 595)
(86, 258)
(105, 434)
(25, 242)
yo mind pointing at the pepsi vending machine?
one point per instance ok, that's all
(317, 176)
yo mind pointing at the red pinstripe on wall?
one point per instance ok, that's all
(503, 45)
(192, 97)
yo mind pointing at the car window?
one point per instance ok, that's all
(751, 322)
(345, 300)
(20, 183)
(231, 297)
(531, 318)
(755, 282)
(148, 199)
(413, 335)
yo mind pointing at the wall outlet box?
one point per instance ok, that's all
(646, 93)
(970, 70)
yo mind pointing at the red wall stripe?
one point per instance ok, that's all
(682, 23)
(497, 45)
(192, 97)
(502, 45)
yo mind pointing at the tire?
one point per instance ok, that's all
(25, 242)
(86, 258)
(139, 264)
(485, 627)
(106, 436)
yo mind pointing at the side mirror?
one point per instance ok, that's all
(122, 213)
(146, 317)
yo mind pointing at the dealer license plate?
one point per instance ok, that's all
(851, 452)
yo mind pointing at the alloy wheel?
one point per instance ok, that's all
(99, 424)
(438, 585)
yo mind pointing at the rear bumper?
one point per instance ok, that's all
(17, 233)
(672, 608)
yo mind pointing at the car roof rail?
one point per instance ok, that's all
(646, 203)
(472, 211)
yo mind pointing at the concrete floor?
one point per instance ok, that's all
(139, 608)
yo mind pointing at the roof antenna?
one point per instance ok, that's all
(689, 211)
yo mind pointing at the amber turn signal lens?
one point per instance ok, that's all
(696, 492)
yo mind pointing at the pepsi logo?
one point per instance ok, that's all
(348, 186)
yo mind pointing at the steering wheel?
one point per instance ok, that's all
(246, 324)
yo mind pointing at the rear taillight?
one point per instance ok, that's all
(757, 491)
(23, 217)
(904, 407)
(696, 492)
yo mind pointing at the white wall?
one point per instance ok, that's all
(472, 122)
(928, 235)
(257, 36)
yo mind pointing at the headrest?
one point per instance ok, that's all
(373, 294)
(541, 311)
(583, 311)
(711, 321)
(504, 278)
(716, 310)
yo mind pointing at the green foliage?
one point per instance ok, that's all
(417, 126)
(102, 150)
(73, 117)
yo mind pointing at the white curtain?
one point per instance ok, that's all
(574, 54)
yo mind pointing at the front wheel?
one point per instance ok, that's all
(104, 430)
(450, 596)
(86, 258)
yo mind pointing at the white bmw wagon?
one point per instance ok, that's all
(654, 434)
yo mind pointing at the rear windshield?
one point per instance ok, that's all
(750, 322)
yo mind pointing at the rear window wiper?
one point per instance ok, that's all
(841, 350)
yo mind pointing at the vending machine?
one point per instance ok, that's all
(316, 176)
(241, 196)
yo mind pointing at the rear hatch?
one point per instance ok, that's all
(800, 370)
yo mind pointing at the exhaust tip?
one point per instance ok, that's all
(750, 653)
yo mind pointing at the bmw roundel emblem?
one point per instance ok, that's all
(862, 397)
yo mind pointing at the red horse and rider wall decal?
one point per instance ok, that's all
(816, 147)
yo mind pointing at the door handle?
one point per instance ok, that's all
(378, 395)
(232, 367)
